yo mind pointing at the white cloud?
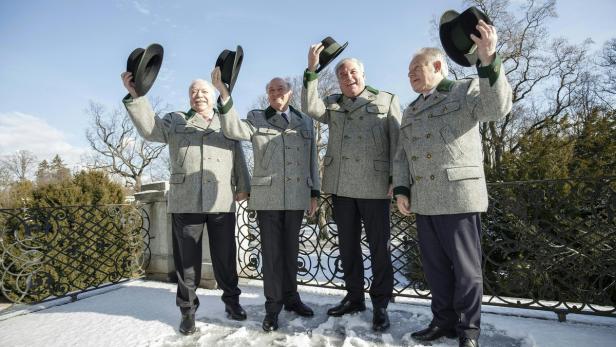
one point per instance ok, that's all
(141, 7)
(23, 131)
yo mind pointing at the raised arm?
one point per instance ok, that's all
(149, 126)
(312, 105)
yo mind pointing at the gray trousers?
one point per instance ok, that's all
(451, 256)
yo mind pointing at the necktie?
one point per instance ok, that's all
(284, 115)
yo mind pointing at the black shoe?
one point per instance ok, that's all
(345, 307)
(187, 326)
(380, 319)
(468, 342)
(433, 332)
(235, 311)
(300, 308)
(270, 322)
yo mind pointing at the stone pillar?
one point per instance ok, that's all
(153, 196)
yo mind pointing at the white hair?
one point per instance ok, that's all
(286, 82)
(434, 54)
(359, 64)
(208, 84)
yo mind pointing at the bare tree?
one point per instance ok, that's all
(118, 147)
(20, 164)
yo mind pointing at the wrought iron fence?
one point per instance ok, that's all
(548, 245)
(59, 251)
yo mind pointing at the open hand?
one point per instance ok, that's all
(486, 45)
(313, 56)
(129, 84)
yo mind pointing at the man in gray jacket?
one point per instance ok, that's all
(439, 176)
(285, 183)
(363, 133)
(208, 174)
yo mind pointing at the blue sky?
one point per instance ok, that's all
(56, 56)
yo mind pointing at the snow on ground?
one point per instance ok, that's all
(143, 313)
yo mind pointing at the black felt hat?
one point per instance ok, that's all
(144, 64)
(330, 51)
(455, 31)
(230, 63)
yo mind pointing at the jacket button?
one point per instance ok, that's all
(414, 157)
(361, 117)
(428, 155)
(432, 177)
(418, 178)
(347, 137)
(428, 135)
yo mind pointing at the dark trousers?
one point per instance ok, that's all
(187, 245)
(451, 255)
(348, 214)
(280, 247)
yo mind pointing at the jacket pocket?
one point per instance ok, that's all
(183, 129)
(177, 178)
(307, 134)
(267, 131)
(381, 165)
(381, 109)
(444, 109)
(267, 156)
(451, 143)
(379, 139)
(327, 160)
(464, 173)
(183, 146)
(261, 181)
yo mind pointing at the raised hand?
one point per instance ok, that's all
(313, 56)
(486, 45)
(219, 84)
(129, 84)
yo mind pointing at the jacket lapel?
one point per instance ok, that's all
(274, 118)
(295, 119)
(362, 99)
(440, 93)
(197, 121)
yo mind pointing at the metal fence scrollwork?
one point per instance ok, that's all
(59, 251)
(548, 245)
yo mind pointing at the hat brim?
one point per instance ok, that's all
(332, 57)
(465, 22)
(450, 48)
(237, 64)
(148, 68)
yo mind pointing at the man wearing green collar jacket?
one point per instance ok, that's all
(438, 175)
(363, 133)
(208, 174)
(285, 183)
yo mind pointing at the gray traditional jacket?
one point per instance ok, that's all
(207, 169)
(286, 171)
(439, 161)
(363, 135)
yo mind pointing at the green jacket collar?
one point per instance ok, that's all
(445, 85)
(270, 111)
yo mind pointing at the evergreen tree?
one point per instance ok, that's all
(43, 174)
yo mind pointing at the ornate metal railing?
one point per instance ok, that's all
(548, 245)
(60, 251)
